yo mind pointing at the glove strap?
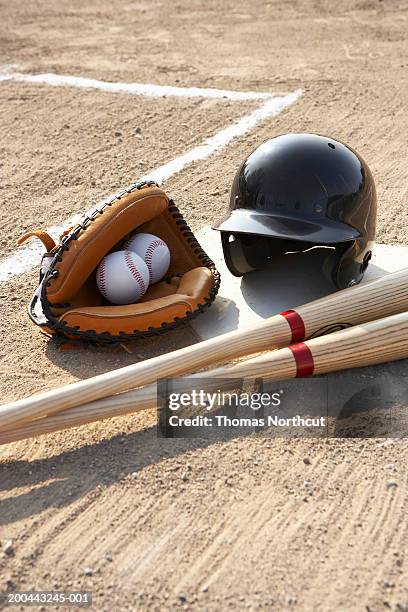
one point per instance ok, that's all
(45, 238)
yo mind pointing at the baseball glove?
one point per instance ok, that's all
(67, 303)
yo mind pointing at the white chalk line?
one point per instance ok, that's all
(270, 108)
(28, 257)
(137, 89)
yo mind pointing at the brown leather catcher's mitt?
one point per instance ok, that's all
(67, 301)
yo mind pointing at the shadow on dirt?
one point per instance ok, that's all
(75, 473)
(84, 361)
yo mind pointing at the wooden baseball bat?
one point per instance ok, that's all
(379, 298)
(371, 343)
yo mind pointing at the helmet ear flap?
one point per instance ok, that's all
(234, 254)
(351, 264)
(340, 266)
(244, 254)
(330, 264)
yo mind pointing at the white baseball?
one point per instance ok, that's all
(122, 277)
(154, 251)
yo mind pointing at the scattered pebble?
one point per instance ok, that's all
(392, 484)
(8, 548)
(306, 461)
(88, 571)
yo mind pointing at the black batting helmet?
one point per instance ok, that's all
(299, 191)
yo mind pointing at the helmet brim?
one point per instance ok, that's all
(324, 231)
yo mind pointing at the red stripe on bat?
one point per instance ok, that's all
(303, 358)
(297, 327)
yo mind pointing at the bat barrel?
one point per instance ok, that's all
(369, 301)
(368, 344)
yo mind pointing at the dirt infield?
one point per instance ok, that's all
(148, 524)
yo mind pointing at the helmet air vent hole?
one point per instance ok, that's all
(331, 145)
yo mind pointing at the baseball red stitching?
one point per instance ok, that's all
(149, 254)
(102, 279)
(134, 271)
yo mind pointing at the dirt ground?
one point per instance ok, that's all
(152, 524)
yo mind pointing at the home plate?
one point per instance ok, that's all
(290, 281)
